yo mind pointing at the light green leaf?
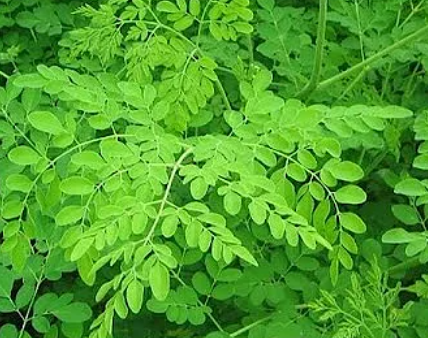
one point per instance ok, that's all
(257, 212)
(406, 214)
(350, 194)
(90, 159)
(19, 182)
(70, 214)
(6, 282)
(23, 156)
(397, 236)
(81, 248)
(352, 222)
(139, 223)
(421, 162)
(346, 171)
(159, 281)
(30, 81)
(167, 7)
(12, 209)
(76, 185)
(135, 296)
(277, 226)
(169, 226)
(410, 187)
(345, 259)
(244, 254)
(114, 149)
(73, 313)
(47, 122)
(195, 7)
(232, 203)
(198, 188)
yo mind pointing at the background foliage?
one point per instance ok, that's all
(213, 168)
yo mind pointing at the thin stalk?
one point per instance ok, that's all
(378, 56)
(249, 327)
(319, 52)
(166, 194)
(223, 94)
(4, 75)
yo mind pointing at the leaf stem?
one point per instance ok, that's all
(4, 75)
(319, 52)
(249, 327)
(166, 194)
(358, 67)
(30, 306)
(223, 94)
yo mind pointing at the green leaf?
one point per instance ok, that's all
(12, 209)
(73, 313)
(19, 182)
(350, 194)
(277, 226)
(345, 259)
(232, 203)
(24, 295)
(184, 23)
(421, 162)
(346, 171)
(6, 282)
(406, 214)
(135, 296)
(139, 223)
(167, 7)
(169, 226)
(410, 187)
(81, 248)
(296, 172)
(352, 222)
(159, 281)
(8, 331)
(69, 215)
(244, 254)
(23, 156)
(47, 122)
(30, 81)
(198, 188)
(201, 283)
(195, 7)
(41, 324)
(114, 149)
(397, 236)
(257, 212)
(393, 112)
(76, 185)
(307, 159)
(90, 159)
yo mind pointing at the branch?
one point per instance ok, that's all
(319, 53)
(360, 66)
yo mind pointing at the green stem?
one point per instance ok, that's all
(166, 194)
(319, 53)
(358, 67)
(4, 75)
(249, 327)
(223, 94)
(30, 307)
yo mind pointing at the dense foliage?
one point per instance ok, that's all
(213, 168)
